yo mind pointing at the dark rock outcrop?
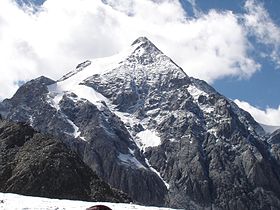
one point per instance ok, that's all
(38, 165)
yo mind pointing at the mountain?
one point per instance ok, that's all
(36, 164)
(147, 128)
(274, 137)
(270, 128)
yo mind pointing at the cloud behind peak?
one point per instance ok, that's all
(63, 33)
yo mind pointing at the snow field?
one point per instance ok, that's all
(19, 202)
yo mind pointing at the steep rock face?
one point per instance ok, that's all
(208, 145)
(165, 138)
(91, 130)
(274, 140)
(35, 164)
(108, 140)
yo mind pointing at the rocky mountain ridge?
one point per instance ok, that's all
(149, 129)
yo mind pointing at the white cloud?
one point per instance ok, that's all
(261, 26)
(63, 33)
(269, 116)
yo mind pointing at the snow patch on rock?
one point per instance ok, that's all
(77, 131)
(157, 173)
(147, 138)
(195, 92)
(130, 161)
(88, 93)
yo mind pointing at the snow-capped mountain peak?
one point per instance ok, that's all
(141, 62)
(140, 122)
(141, 53)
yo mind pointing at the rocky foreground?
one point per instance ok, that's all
(40, 165)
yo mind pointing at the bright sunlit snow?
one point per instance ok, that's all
(195, 92)
(148, 138)
(72, 81)
(18, 202)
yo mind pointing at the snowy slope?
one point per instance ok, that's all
(18, 202)
(74, 82)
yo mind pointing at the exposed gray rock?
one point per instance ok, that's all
(274, 138)
(108, 139)
(104, 139)
(211, 138)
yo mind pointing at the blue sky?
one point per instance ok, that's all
(232, 44)
(37, 2)
(262, 89)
